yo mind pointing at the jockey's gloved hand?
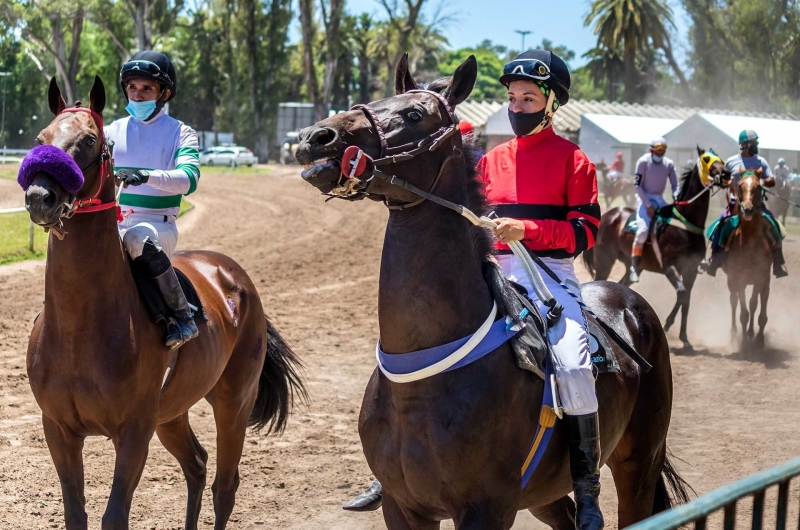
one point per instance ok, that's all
(132, 177)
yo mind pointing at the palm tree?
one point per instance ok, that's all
(632, 26)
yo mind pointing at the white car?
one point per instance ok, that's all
(232, 156)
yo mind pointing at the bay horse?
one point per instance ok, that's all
(96, 360)
(780, 207)
(451, 446)
(749, 260)
(678, 250)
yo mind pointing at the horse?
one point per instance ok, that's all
(749, 260)
(617, 187)
(96, 360)
(451, 446)
(677, 251)
(783, 192)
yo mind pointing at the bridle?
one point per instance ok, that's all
(350, 186)
(93, 203)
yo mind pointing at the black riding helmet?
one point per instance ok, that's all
(153, 65)
(540, 66)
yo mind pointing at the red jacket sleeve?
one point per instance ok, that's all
(579, 231)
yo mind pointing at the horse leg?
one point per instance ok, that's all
(672, 314)
(753, 306)
(131, 443)
(636, 473)
(179, 439)
(396, 519)
(762, 317)
(66, 449)
(488, 515)
(559, 515)
(744, 316)
(734, 299)
(688, 281)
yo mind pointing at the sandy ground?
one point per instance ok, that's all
(316, 265)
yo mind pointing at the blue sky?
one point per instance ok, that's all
(561, 21)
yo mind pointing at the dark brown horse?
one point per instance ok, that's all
(780, 204)
(96, 360)
(451, 446)
(679, 249)
(749, 260)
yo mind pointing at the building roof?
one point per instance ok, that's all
(477, 112)
(568, 117)
(633, 129)
(772, 134)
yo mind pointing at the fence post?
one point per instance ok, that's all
(30, 237)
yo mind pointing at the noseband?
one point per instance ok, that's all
(353, 186)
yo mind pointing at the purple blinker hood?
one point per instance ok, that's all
(53, 161)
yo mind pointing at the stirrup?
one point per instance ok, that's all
(633, 276)
(174, 338)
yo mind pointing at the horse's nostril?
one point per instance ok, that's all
(322, 136)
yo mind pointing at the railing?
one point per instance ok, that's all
(725, 498)
(32, 226)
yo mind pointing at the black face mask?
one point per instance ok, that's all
(524, 122)
(753, 148)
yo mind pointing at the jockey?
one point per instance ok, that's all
(157, 161)
(545, 191)
(652, 171)
(747, 158)
(782, 171)
(617, 168)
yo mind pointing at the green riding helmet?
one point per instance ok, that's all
(747, 135)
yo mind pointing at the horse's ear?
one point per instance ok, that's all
(700, 151)
(97, 97)
(463, 81)
(54, 99)
(403, 82)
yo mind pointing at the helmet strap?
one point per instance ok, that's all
(548, 114)
(160, 102)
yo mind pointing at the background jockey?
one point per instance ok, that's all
(544, 189)
(782, 171)
(747, 158)
(617, 169)
(156, 158)
(652, 171)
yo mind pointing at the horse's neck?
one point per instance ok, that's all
(431, 286)
(88, 270)
(696, 212)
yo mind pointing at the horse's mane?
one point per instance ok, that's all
(686, 178)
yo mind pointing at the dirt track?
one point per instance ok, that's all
(317, 267)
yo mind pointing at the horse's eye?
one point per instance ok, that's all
(414, 116)
(90, 141)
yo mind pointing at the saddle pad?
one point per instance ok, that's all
(603, 356)
(631, 224)
(153, 301)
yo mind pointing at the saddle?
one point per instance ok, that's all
(729, 226)
(153, 301)
(530, 346)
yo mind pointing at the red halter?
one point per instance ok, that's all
(94, 204)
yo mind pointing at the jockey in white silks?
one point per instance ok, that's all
(652, 172)
(156, 158)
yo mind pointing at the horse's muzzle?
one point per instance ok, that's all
(45, 200)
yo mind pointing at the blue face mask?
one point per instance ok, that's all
(657, 159)
(141, 110)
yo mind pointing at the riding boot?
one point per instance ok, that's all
(182, 327)
(369, 501)
(778, 263)
(635, 268)
(583, 438)
(717, 258)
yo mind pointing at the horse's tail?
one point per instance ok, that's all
(671, 489)
(279, 386)
(588, 260)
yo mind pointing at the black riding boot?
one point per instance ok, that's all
(368, 501)
(717, 259)
(778, 263)
(182, 328)
(636, 267)
(583, 437)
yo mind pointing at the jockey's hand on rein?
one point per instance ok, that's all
(509, 229)
(132, 177)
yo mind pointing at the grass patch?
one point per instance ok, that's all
(9, 171)
(260, 170)
(14, 238)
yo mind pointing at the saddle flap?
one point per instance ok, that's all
(154, 302)
(603, 356)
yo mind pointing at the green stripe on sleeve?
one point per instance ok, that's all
(193, 173)
(188, 151)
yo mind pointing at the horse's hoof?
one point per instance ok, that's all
(687, 346)
(667, 326)
(368, 501)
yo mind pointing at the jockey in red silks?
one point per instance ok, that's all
(544, 189)
(616, 169)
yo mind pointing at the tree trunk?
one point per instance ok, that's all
(631, 75)
(667, 48)
(307, 28)
(255, 77)
(363, 77)
(67, 65)
(404, 33)
(140, 9)
(231, 61)
(332, 26)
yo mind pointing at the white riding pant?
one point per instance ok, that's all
(642, 219)
(569, 338)
(614, 174)
(139, 228)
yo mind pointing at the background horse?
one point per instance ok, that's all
(452, 445)
(618, 187)
(780, 204)
(96, 360)
(749, 260)
(678, 252)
